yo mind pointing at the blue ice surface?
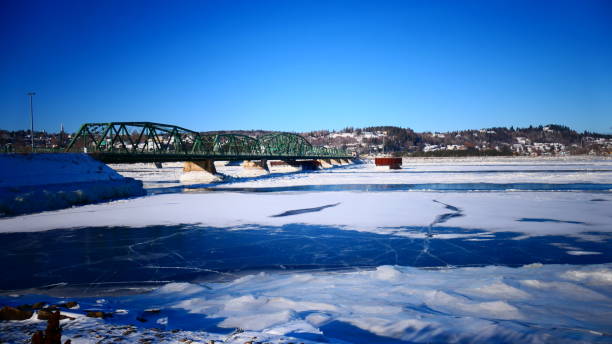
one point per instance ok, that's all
(452, 187)
(90, 259)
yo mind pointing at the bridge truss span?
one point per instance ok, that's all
(116, 142)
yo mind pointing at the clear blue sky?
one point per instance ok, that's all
(303, 65)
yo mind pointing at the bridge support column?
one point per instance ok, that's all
(325, 163)
(295, 165)
(335, 162)
(285, 166)
(201, 171)
(254, 168)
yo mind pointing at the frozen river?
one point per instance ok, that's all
(494, 250)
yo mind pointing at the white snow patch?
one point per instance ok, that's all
(256, 322)
(387, 273)
(183, 288)
(593, 277)
(581, 253)
(565, 288)
(317, 319)
(500, 290)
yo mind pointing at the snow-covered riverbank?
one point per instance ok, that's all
(390, 304)
(38, 182)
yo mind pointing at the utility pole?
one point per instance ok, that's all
(384, 144)
(32, 94)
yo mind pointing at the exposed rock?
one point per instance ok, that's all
(24, 307)
(45, 314)
(53, 333)
(128, 332)
(38, 305)
(38, 337)
(11, 313)
(98, 314)
(69, 304)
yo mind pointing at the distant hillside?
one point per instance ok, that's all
(552, 139)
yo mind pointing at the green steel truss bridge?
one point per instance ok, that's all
(130, 142)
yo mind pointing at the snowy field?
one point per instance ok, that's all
(442, 251)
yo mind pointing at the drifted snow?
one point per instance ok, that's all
(397, 302)
(38, 182)
(531, 304)
(48, 169)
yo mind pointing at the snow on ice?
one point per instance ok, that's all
(379, 212)
(530, 304)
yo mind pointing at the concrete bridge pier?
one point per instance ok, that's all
(254, 168)
(325, 163)
(200, 171)
(285, 166)
(295, 165)
(336, 162)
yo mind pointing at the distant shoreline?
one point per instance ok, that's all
(583, 157)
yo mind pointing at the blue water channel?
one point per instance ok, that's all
(437, 187)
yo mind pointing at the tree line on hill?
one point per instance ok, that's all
(402, 141)
(491, 141)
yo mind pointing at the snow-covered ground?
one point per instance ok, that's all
(38, 182)
(364, 213)
(531, 304)
(49, 169)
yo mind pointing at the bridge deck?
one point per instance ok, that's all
(118, 158)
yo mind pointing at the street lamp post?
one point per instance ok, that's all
(32, 94)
